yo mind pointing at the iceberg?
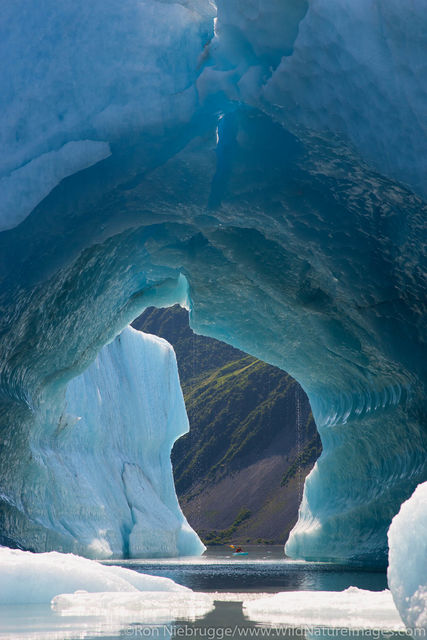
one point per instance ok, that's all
(407, 568)
(261, 163)
(353, 608)
(36, 578)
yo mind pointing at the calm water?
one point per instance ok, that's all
(264, 570)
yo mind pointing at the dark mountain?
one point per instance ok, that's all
(239, 473)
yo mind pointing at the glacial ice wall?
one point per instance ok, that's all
(101, 480)
(407, 568)
(128, 410)
(265, 166)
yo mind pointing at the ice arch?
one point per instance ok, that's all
(284, 181)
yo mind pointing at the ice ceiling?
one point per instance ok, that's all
(262, 162)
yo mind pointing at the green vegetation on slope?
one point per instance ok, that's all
(238, 409)
(226, 535)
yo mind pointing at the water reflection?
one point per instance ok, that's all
(264, 569)
(227, 620)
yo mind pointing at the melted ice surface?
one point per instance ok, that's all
(352, 609)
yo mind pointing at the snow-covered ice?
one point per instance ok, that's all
(36, 578)
(407, 570)
(350, 609)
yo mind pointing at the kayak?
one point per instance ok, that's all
(240, 553)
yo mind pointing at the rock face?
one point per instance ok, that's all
(269, 178)
(239, 472)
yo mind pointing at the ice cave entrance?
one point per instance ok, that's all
(241, 434)
(239, 472)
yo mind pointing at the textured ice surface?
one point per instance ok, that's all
(34, 578)
(114, 490)
(109, 489)
(350, 609)
(407, 570)
(265, 29)
(363, 87)
(276, 162)
(303, 61)
(25, 187)
(94, 73)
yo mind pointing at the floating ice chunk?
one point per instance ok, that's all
(35, 578)
(150, 606)
(407, 571)
(351, 609)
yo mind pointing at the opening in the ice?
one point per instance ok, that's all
(239, 472)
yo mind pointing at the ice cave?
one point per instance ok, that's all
(254, 163)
